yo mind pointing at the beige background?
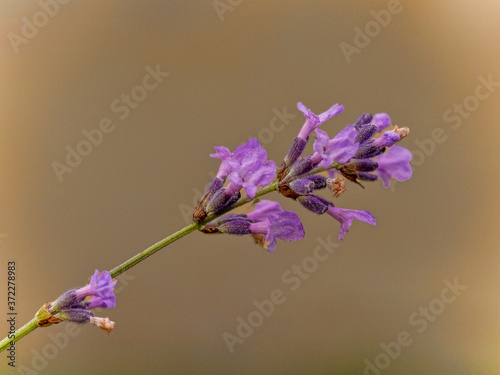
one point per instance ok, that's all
(226, 78)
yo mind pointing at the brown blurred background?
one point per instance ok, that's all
(229, 74)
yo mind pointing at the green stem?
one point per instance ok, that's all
(118, 270)
(20, 333)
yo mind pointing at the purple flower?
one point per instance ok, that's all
(313, 121)
(344, 145)
(250, 168)
(267, 222)
(247, 167)
(345, 217)
(224, 155)
(284, 225)
(71, 306)
(395, 163)
(340, 149)
(101, 288)
(263, 209)
(381, 121)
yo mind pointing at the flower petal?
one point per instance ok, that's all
(263, 209)
(394, 164)
(381, 121)
(343, 146)
(346, 216)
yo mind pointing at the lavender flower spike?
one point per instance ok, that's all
(395, 163)
(284, 225)
(346, 216)
(314, 121)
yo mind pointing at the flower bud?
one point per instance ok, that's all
(79, 316)
(228, 217)
(301, 166)
(239, 227)
(366, 176)
(200, 212)
(67, 300)
(369, 150)
(229, 223)
(302, 186)
(221, 201)
(295, 150)
(314, 203)
(365, 165)
(319, 181)
(365, 133)
(364, 119)
(387, 139)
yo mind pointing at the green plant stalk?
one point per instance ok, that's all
(20, 333)
(118, 270)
